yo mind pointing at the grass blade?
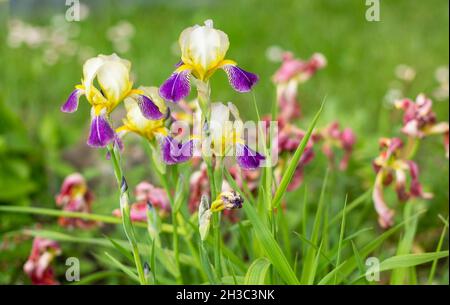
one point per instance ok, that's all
(289, 173)
(265, 238)
(257, 272)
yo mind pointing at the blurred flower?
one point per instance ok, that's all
(38, 266)
(389, 164)
(441, 75)
(419, 120)
(75, 196)
(112, 73)
(229, 200)
(120, 35)
(203, 51)
(249, 177)
(274, 53)
(287, 78)
(293, 69)
(333, 137)
(146, 193)
(405, 73)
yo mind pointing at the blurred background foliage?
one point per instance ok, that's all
(39, 145)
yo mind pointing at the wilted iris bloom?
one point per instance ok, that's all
(204, 217)
(137, 123)
(229, 200)
(203, 50)
(335, 137)
(145, 194)
(390, 165)
(75, 196)
(38, 266)
(106, 82)
(419, 120)
(293, 72)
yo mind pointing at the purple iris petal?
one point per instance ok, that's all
(248, 158)
(101, 133)
(175, 152)
(240, 80)
(71, 104)
(176, 87)
(148, 108)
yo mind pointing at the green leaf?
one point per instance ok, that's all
(289, 172)
(410, 260)
(308, 261)
(439, 246)
(121, 249)
(350, 264)
(127, 270)
(257, 272)
(265, 238)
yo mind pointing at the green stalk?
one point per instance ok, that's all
(125, 209)
(203, 95)
(175, 239)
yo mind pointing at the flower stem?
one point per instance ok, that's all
(125, 210)
(203, 96)
(175, 240)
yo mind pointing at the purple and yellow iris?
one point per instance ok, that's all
(112, 74)
(203, 51)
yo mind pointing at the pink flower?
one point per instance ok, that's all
(293, 68)
(38, 266)
(333, 137)
(75, 196)
(145, 194)
(419, 120)
(292, 73)
(389, 164)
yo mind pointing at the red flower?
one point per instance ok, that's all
(38, 266)
(75, 196)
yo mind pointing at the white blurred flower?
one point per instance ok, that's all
(405, 73)
(441, 93)
(120, 36)
(274, 53)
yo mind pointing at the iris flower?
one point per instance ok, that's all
(227, 136)
(106, 82)
(224, 139)
(203, 51)
(137, 123)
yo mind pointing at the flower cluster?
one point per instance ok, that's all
(75, 196)
(395, 159)
(287, 78)
(389, 165)
(420, 121)
(112, 74)
(38, 266)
